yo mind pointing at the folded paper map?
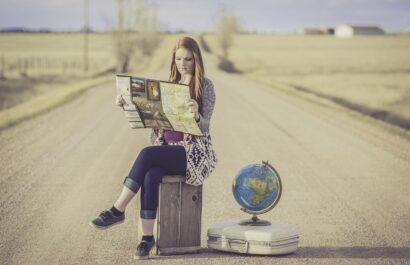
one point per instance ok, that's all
(150, 103)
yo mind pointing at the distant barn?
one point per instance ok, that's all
(348, 31)
(318, 31)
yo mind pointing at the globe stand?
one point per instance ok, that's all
(254, 221)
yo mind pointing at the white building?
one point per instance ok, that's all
(348, 31)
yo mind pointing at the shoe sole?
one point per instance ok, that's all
(140, 257)
(105, 227)
(145, 257)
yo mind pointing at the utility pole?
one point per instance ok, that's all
(85, 29)
(120, 36)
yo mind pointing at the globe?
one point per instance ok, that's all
(257, 188)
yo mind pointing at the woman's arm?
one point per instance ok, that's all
(208, 104)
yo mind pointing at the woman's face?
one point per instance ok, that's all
(184, 61)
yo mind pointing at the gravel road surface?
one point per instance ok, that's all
(346, 182)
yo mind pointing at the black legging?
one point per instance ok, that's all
(151, 165)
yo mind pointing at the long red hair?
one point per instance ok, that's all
(197, 82)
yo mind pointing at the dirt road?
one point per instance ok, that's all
(346, 183)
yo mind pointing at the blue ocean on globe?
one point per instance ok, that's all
(256, 187)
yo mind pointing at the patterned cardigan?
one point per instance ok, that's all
(201, 157)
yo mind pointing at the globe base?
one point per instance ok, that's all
(255, 221)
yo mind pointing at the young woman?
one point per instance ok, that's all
(171, 153)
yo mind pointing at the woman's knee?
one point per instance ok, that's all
(154, 176)
(146, 152)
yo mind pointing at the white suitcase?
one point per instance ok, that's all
(274, 239)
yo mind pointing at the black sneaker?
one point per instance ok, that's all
(143, 249)
(106, 220)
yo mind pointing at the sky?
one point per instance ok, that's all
(276, 16)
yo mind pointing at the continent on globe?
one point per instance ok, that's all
(261, 186)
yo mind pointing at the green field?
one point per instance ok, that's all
(369, 74)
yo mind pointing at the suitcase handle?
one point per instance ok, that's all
(241, 242)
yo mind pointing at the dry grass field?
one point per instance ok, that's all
(365, 73)
(369, 74)
(56, 53)
(34, 63)
(46, 86)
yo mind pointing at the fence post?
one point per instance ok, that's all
(25, 66)
(2, 67)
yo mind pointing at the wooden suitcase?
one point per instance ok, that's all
(179, 217)
(274, 239)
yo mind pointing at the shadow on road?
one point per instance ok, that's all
(357, 252)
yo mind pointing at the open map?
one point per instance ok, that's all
(156, 104)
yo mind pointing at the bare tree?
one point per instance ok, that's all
(226, 27)
(136, 35)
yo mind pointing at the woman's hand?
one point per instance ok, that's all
(193, 108)
(119, 101)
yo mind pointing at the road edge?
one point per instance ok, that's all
(391, 128)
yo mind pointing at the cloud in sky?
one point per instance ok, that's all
(196, 15)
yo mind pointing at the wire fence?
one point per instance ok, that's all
(37, 66)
